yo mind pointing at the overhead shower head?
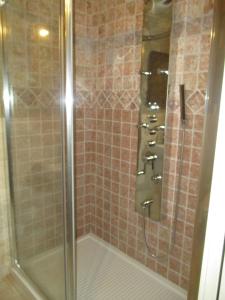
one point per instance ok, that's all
(161, 6)
(166, 2)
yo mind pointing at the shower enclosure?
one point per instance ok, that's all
(36, 47)
(128, 232)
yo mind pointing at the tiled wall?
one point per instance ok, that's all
(108, 48)
(108, 103)
(189, 57)
(84, 46)
(98, 59)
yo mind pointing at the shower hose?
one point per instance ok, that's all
(177, 199)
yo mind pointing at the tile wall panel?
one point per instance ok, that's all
(108, 52)
(107, 94)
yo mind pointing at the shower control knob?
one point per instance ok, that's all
(152, 131)
(152, 143)
(153, 119)
(146, 203)
(151, 157)
(146, 73)
(143, 125)
(157, 178)
(140, 173)
(155, 129)
(153, 106)
(160, 128)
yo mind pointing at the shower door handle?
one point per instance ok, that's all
(182, 103)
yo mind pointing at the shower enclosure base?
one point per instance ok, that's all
(104, 273)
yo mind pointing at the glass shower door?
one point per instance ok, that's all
(32, 51)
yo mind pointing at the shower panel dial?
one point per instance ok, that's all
(157, 178)
(143, 125)
(151, 143)
(153, 106)
(153, 119)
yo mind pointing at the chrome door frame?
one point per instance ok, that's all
(68, 148)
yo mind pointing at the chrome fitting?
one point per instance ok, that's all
(157, 178)
(146, 203)
(151, 143)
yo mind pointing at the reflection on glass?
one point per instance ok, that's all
(33, 65)
(43, 32)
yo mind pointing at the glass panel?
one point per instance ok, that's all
(32, 48)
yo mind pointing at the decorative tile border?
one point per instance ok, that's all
(46, 98)
(36, 97)
(108, 99)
